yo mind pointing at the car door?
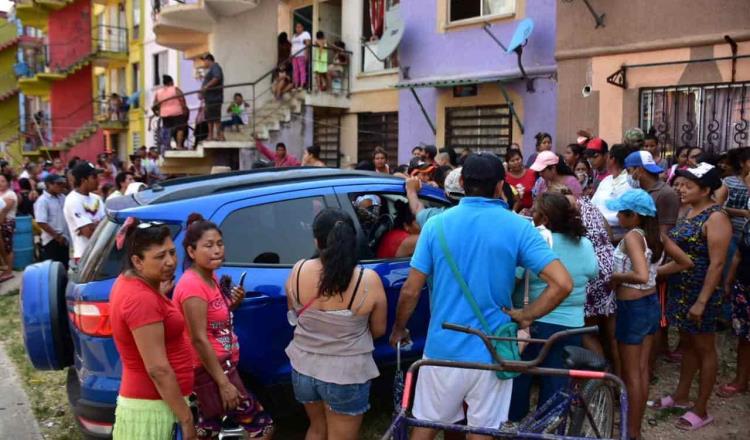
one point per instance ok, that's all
(264, 236)
(393, 272)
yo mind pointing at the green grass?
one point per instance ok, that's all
(46, 389)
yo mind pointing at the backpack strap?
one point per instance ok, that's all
(459, 278)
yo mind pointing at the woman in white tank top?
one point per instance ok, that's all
(636, 260)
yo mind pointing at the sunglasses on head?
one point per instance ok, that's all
(146, 225)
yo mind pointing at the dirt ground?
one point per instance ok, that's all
(732, 416)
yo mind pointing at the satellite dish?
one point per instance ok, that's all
(392, 34)
(522, 33)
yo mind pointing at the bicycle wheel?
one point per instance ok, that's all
(550, 417)
(600, 400)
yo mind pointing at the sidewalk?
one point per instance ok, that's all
(9, 286)
(16, 419)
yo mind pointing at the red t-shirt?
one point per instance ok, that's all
(527, 180)
(219, 321)
(390, 242)
(134, 304)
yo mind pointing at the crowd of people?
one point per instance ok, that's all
(598, 235)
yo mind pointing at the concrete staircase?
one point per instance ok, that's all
(271, 117)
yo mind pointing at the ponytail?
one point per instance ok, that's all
(563, 217)
(650, 226)
(337, 241)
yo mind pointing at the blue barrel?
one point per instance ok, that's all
(23, 243)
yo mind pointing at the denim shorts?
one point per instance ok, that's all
(637, 319)
(350, 400)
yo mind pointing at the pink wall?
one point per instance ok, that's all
(69, 33)
(70, 103)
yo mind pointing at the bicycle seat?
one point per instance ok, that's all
(577, 358)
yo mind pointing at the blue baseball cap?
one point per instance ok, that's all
(643, 159)
(636, 200)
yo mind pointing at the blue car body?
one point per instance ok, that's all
(254, 209)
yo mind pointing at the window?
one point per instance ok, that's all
(377, 130)
(465, 9)
(160, 66)
(101, 260)
(485, 128)
(373, 24)
(281, 232)
(136, 19)
(711, 116)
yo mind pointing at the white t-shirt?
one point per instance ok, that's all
(298, 43)
(10, 196)
(610, 187)
(81, 210)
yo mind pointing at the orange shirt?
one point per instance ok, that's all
(168, 107)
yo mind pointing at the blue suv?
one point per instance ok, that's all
(266, 217)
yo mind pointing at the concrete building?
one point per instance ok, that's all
(471, 90)
(681, 71)
(10, 139)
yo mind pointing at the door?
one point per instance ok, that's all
(265, 236)
(393, 272)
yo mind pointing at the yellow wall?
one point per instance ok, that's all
(9, 128)
(488, 94)
(136, 116)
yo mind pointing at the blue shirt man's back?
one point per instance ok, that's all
(487, 241)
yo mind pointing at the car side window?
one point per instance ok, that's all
(377, 216)
(272, 233)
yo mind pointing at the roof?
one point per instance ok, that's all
(474, 78)
(192, 187)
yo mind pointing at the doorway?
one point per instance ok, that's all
(303, 15)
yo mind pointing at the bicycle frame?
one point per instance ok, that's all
(402, 420)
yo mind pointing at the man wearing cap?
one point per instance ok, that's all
(644, 172)
(597, 152)
(48, 212)
(634, 138)
(83, 209)
(213, 95)
(612, 187)
(486, 241)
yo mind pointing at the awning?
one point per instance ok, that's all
(474, 78)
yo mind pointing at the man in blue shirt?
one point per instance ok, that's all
(488, 242)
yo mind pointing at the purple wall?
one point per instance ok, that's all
(429, 54)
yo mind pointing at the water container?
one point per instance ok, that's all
(23, 243)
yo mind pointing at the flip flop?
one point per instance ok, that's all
(668, 402)
(694, 420)
(730, 390)
(6, 278)
(674, 357)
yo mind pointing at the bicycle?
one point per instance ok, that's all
(584, 410)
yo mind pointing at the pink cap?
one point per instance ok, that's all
(545, 159)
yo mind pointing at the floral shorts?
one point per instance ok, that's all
(741, 310)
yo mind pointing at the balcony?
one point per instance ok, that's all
(185, 24)
(34, 13)
(110, 45)
(111, 114)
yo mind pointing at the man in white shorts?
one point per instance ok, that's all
(487, 242)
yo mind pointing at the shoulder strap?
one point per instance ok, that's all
(299, 270)
(356, 287)
(459, 278)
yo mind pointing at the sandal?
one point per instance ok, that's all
(6, 278)
(674, 357)
(730, 390)
(690, 421)
(668, 402)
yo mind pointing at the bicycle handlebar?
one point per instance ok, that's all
(487, 339)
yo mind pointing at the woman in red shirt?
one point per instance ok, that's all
(149, 332)
(216, 352)
(402, 239)
(521, 178)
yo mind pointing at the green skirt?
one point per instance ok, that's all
(141, 419)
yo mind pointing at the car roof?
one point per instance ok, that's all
(189, 188)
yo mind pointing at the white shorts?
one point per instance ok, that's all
(442, 391)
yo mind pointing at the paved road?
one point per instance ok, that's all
(16, 419)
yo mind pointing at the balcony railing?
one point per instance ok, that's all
(110, 38)
(265, 89)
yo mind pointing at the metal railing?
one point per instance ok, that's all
(109, 38)
(261, 91)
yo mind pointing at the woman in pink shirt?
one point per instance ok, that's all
(170, 105)
(216, 352)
